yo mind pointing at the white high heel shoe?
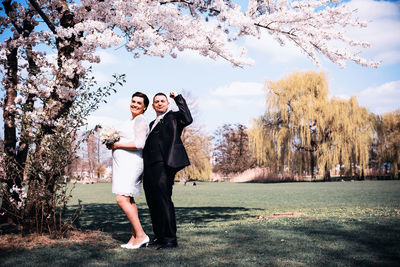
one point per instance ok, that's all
(141, 244)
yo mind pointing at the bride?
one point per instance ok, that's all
(128, 167)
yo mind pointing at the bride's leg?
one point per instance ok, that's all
(125, 205)
(136, 225)
(128, 205)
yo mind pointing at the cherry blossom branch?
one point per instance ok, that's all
(11, 13)
(43, 16)
(192, 4)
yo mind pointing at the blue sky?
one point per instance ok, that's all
(226, 94)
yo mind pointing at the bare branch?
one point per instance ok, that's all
(43, 15)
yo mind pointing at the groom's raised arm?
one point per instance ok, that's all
(185, 117)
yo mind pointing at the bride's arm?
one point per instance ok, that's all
(126, 146)
(141, 129)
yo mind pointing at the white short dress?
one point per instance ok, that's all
(128, 164)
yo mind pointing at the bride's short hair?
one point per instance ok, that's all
(145, 99)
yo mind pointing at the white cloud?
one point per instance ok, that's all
(106, 58)
(373, 10)
(278, 54)
(389, 57)
(52, 58)
(381, 99)
(226, 102)
(103, 71)
(111, 114)
(383, 29)
(192, 56)
(237, 102)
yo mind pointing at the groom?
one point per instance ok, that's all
(164, 155)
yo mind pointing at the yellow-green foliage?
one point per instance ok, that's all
(389, 140)
(198, 147)
(300, 117)
(263, 147)
(350, 130)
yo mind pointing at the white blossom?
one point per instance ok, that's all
(18, 99)
(21, 194)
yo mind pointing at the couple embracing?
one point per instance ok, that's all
(156, 153)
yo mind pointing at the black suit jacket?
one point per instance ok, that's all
(164, 142)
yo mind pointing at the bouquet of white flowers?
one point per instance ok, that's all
(109, 136)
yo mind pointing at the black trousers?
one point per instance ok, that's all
(157, 183)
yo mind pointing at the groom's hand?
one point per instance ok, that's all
(173, 94)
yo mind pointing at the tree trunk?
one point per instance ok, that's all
(14, 172)
(302, 165)
(395, 170)
(327, 174)
(340, 164)
(312, 165)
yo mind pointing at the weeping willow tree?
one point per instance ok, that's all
(302, 126)
(264, 149)
(198, 147)
(348, 134)
(388, 132)
(295, 104)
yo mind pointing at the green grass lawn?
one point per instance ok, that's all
(230, 224)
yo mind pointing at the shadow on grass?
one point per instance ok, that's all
(361, 242)
(221, 236)
(111, 219)
(297, 241)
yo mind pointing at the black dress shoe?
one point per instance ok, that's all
(154, 242)
(168, 245)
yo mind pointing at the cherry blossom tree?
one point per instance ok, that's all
(48, 42)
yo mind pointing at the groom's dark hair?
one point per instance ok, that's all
(160, 94)
(145, 99)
